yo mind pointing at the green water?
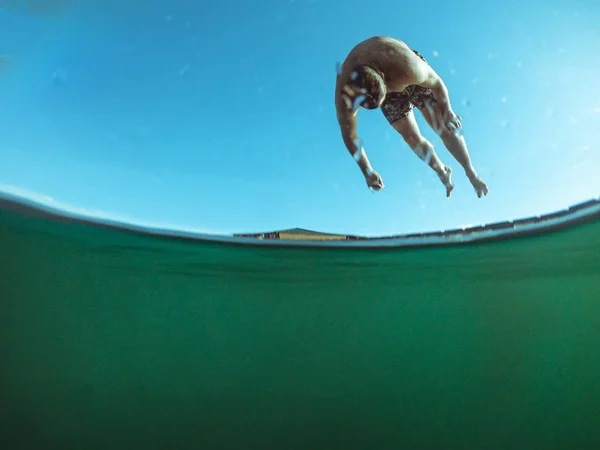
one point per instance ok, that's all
(111, 340)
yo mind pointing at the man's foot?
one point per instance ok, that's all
(478, 184)
(446, 179)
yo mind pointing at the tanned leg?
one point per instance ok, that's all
(457, 147)
(409, 130)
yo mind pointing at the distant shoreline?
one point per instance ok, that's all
(587, 211)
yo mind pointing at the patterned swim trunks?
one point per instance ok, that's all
(398, 104)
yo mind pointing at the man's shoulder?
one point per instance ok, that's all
(374, 47)
(384, 40)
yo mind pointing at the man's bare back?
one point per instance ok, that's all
(393, 58)
(383, 72)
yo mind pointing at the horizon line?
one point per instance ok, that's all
(585, 211)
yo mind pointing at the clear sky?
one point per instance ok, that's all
(219, 116)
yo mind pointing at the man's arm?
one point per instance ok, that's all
(347, 121)
(443, 116)
(422, 74)
(432, 80)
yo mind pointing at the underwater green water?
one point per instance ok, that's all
(112, 340)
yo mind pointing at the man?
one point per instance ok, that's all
(385, 73)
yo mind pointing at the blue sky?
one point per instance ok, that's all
(220, 118)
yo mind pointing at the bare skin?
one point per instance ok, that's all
(400, 67)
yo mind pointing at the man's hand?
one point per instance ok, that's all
(452, 122)
(374, 181)
(441, 112)
(444, 118)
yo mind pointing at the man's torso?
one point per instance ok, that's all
(391, 57)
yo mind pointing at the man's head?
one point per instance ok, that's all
(365, 88)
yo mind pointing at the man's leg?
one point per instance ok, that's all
(457, 147)
(409, 129)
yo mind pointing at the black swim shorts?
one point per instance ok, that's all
(398, 104)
